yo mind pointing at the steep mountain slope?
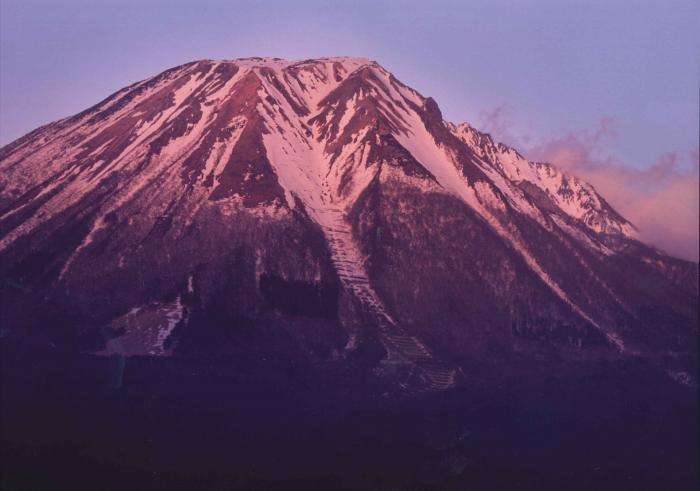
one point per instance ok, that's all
(317, 209)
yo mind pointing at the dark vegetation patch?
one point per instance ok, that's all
(253, 422)
(303, 298)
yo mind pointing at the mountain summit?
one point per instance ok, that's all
(320, 210)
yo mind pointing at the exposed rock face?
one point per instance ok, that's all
(317, 209)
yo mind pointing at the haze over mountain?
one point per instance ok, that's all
(319, 210)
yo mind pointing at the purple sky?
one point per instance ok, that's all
(529, 71)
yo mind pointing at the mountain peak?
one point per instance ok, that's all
(284, 62)
(311, 110)
(349, 63)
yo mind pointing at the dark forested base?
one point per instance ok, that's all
(88, 422)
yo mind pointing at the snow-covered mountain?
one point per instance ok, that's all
(317, 208)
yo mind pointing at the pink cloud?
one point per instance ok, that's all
(498, 121)
(661, 200)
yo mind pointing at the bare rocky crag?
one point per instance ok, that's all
(319, 210)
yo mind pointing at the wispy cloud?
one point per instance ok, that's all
(661, 200)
